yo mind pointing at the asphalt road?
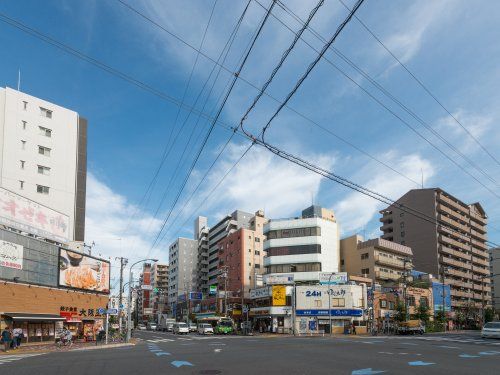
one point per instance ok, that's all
(164, 353)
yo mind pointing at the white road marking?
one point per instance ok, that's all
(217, 350)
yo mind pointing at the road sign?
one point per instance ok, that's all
(101, 311)
(245, 309)
(146, 287)
(112, 311)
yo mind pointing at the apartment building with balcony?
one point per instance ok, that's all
(208, 246)
(303, 246)
(182, 255)
(159, 281)
(451, 244)
(383, 261)
(241, 255)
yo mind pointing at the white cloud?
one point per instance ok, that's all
(476, 124)
(109, 224)
(356, 210)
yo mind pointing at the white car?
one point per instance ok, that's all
(192, 327)
(181, 328)
(141, 327)
(205, 329)
(491, 330)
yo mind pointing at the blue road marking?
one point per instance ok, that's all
(162, 353)
(408, 343)
(420, 363)
(155, 350)
(366, 371)
(489, 353)
(181, 363)
(468, 356)
(448, 347)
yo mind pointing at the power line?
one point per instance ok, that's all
(424, 87)
(167, 149)
(213, 123)
(407, 124)
(388, 94)
(255, 101)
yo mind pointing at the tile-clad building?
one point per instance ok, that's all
(455, 246)
(495, 276)
(241, 254)
(383, 261)
(159, 281)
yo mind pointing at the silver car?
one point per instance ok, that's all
(491, 330)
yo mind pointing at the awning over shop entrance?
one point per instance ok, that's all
(34, 317)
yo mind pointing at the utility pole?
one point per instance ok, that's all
(443, 270)
(123, 263)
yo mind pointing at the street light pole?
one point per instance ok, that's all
(129, 314)
(330, 303)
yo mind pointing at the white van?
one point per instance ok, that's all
(205, 329)
(181, 328)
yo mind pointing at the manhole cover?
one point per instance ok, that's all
(210, 372)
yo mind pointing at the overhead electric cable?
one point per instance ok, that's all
(213, 123)
(385, 92)
(425, 88)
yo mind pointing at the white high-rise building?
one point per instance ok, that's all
(43, 156)
(303, 246)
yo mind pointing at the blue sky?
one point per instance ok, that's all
(452, 46)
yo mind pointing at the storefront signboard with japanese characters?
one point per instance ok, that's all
(11, 255)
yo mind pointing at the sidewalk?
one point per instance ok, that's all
(51, 347)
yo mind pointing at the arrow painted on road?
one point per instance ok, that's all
(217, 350)
(468, 356)
(181, 363)
(420, 363)
(162, 353)
(366, 371)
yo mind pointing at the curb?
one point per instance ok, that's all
(109, 346)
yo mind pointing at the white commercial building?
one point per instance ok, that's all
(181, 270)
(345, 305)
(303, 246)
(43, 157)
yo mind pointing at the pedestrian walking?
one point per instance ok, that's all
(6, 338)
(353, 329)
(18, 336)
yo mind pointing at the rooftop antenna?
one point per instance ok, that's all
(18, 79)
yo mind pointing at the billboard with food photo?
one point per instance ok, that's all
(80, 271)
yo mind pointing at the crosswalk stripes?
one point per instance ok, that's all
(16, 357)
(454, 339)
(190, 338)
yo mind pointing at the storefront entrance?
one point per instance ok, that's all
(37, 328)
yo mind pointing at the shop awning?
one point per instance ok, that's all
(34, 317)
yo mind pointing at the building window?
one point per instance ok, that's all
(391, 305)
(25, 105)
(402, 224)
(295, 232)
(402, 234)
(21, 184)
(365, 271)
(257, 239)
(365, 256)
(44, 150)
(42, 189)
(257, 265)
(338, 302)
(257, 252)
(44, 112)
(45, 131)
(411, 300)
(383, 304)
(44, 170)
(317, 303)
(24, 124)
(22, 163)
(294, 250)
(23, 145)
(342, 262)
(424, 301)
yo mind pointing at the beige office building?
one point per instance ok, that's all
(380, 260)
(453, 244)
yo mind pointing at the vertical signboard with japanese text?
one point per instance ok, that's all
(279, 295)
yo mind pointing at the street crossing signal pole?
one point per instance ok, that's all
(443, 270)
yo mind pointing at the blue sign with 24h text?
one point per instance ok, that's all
(334, 312)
